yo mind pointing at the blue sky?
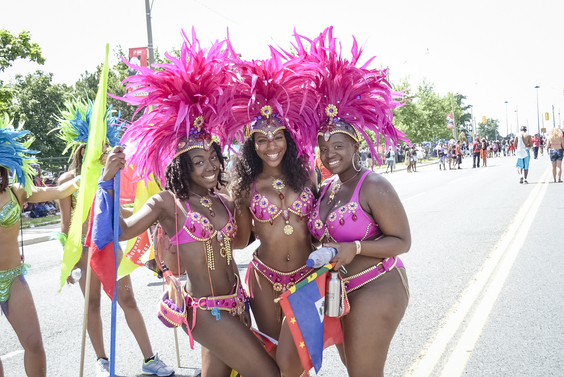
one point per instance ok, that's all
(490, 51)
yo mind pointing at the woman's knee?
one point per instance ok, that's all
(33, 343)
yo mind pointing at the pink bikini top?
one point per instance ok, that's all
(345, 224)
(263, 210)
(198, 227)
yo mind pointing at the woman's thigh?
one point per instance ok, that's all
(21, 313)
(368, 329)
(268, 315)
(233, 344)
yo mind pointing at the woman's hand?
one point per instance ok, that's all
(346, 252)
(114, 163)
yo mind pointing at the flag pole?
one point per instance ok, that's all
(114, 300)
(85, 317)
(177, 351)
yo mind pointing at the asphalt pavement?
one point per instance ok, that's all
(487, 295)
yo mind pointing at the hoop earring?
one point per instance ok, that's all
(360, 167)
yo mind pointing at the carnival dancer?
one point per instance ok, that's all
(273, 188)
(358, 211)
(192, 99)
(16, 301)
(74, 129)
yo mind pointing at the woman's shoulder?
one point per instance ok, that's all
(230, 203)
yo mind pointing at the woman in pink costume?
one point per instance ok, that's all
(358, 211)
(191, 100)
(273, 188)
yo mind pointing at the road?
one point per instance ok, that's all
(487, 295)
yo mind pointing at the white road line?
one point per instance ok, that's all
(431, 353)
(11, 354)
(459, 357)
(412, 197)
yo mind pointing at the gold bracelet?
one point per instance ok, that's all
(358, 247)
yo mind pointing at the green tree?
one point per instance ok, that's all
(490, 130)
(14, 47)
(87, 85)
(37, 102)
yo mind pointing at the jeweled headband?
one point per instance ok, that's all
(198, 137)
(334, 125)
(267, 123)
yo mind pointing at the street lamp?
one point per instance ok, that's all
(506, 121)
(538, 113)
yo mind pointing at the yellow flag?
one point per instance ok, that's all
(91, 171)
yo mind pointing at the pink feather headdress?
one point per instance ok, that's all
(191, 100)
(269, 97)
(351, 100)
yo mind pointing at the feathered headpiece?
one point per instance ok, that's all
(74, 124)
(270, 97)
(191, 100)
(351, 100)
(14, 153)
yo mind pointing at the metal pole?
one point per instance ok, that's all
(506, 121)
(517, 112)
(553, 118)
(149, 33)
(538, 113)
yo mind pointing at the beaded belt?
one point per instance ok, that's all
(350, 284)
(281, 281)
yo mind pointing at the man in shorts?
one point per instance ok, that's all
(523, 141)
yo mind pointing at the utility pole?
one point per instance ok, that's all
(553, 118)
(538, 113)
(453, 117)
(148, 8)
(506, 121)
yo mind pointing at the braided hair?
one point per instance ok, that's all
(248, 167)
(178, 172)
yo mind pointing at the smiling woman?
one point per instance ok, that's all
(273, 190)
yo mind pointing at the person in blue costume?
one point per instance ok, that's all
(16, 301)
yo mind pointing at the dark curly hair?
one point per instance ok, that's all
(179, 170)
(295, 171)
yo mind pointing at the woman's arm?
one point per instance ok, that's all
(388, 212)
(65, 203)
(151, 212)
(45, 194)
(244, 221)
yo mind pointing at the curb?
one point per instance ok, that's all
(32, 241)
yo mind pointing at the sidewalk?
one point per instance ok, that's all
(401, 167)
(38, 234)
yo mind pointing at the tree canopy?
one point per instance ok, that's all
(423, 117)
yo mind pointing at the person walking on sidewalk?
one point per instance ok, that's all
(556, 146)
(523, 142)
(441, 155)
(390, 156)
(476, 150)
(458, 154)
(536, 145)
(484, 153)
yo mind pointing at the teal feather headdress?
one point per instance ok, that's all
(74, 124)
(14, 153)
